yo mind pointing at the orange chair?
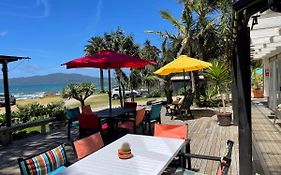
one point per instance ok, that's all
(88, 145)
(133, 123)
(87, 109)
(171, 131)
(174, 131)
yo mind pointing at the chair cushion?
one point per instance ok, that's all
(45, 162)
(58, 170)
(57, 157)
(75, 124)
(105, 126)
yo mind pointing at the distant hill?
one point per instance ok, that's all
(56, 78)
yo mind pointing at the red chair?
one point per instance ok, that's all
(133, 123)
(130, 105)
(88, 145)
(174, 131)
(89, 123)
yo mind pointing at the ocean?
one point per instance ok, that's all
(35, 91)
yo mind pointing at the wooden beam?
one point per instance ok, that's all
(244, 98)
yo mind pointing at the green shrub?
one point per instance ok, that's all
(2, 120)
(155, 93)
(181, 91)
(56, 110)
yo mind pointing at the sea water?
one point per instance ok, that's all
(35, 91)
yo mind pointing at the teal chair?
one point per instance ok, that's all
(154, 116)
(72, 119)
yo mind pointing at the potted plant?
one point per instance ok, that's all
(219, 81)
(257, 79)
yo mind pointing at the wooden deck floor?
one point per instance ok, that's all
(266, 140)
(208, 138)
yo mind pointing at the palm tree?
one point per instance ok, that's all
(196, 30)
(78, 91)
(149, 52)
(116, 41)
(96, 44)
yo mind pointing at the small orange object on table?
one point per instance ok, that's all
(125, 151)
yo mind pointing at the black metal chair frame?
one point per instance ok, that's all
(224, 161)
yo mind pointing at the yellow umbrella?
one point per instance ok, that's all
(183, 63)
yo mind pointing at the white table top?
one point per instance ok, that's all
(151, 156)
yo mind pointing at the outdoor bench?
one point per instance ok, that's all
(6, 132)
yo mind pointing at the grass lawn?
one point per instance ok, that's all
(102, 100)
(96, 101)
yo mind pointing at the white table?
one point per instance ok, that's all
(151, 156)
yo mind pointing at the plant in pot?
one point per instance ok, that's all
(219, 80)
(257, 79)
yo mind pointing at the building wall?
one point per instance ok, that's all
(274, 90)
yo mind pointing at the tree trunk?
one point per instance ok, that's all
(82, 103)
(101, 80)
(120, 93)
(168, 90)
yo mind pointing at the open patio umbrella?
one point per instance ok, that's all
(108, 60)
(182, 64)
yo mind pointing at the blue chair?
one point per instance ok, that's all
(72, 119)
(154, 116)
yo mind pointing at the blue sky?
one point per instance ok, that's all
(52, 32)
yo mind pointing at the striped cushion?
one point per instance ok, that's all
(44, 163)
(57, 157)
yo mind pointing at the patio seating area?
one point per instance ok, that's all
(207, 138)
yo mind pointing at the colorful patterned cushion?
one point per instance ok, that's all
(44, 163)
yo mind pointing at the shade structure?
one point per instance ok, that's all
(183, 63)
(108, 60)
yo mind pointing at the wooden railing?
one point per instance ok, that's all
(6, 132)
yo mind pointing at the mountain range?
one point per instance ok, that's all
(55, 78)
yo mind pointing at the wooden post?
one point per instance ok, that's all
(6, 93)
(244, 97)
(43, 129)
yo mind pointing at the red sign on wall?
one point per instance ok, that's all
(267, 73)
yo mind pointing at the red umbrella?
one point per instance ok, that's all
(108, 60)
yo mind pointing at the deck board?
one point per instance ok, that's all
(267, 140)
(208, 138)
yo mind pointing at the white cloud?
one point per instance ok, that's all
(94, 23)
(4, 33)
(24, 10)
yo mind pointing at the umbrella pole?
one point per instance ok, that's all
(184, 84)
(109, 90)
